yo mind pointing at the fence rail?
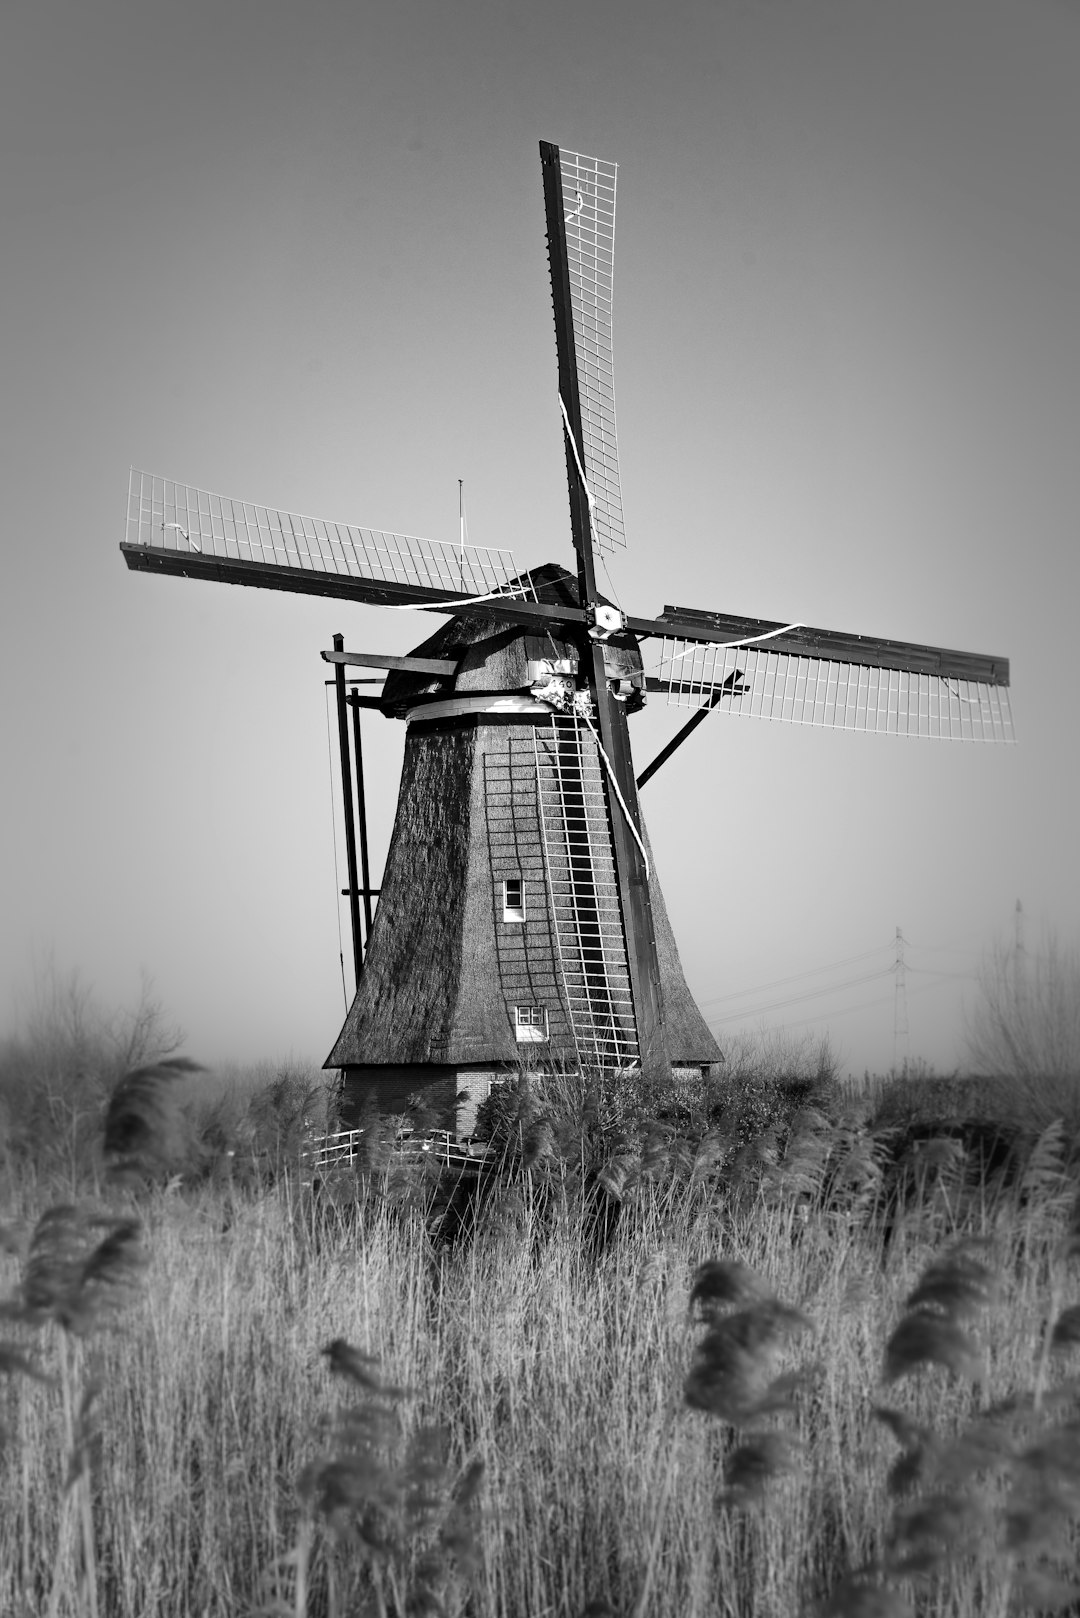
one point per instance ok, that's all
(342, 1149)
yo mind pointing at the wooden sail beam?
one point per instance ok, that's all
(350, 824)
(677, 623)
(630, 868)
(367, 892)
(555, 214)
(692, 624)
(345, 587)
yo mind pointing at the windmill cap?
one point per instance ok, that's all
(500, 657)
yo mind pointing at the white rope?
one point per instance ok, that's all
(615, 788)
(950, 685)
(465, 601)
(723, 645)
(577, 458)
(193, 543)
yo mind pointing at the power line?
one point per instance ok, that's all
(898, 968)
(930, 972)
(844, 1011)
(862, 1005)
(796, 977)
(796, 999)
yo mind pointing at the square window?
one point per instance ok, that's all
(530, 1024)
(513, 897)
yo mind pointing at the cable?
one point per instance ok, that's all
(792, 1000)
(843, 1011)
(848, 1011)
(738, 994)
(611, 583)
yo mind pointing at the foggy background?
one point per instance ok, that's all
(295, 254)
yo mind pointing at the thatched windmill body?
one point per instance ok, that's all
(519, 917)
(499, 938)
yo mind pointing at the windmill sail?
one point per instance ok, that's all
(168, 517)
(807, 689)
(588, 186)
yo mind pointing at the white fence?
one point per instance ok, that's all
(342, 1149)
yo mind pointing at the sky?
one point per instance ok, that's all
(295, 254)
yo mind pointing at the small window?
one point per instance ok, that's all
(513, 896)
(530, 1024)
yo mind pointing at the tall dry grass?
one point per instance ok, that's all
(288, 1404)
(564, 1373)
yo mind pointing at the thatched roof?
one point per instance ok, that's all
(689, 1038)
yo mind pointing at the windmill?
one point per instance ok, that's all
(519, 918)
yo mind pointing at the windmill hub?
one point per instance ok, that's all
(604, 620)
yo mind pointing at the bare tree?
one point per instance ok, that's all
(58, 1070)
(1024, 1032)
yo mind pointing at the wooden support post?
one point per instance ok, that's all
(361, 817)
(347, 804)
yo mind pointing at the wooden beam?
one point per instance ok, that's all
(361, 815)
(375, 703)
(566, 351)
(340, 586)
(350, 824)
(718, 693)
(693, 624)
(683, 623)
(651, 683)
(373, 660)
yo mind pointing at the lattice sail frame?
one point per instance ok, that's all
(766, 684)
(589, 204)
(165, 515)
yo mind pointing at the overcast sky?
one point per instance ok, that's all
(295, 254)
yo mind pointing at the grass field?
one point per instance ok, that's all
(643, 1380)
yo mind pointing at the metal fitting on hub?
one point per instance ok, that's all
(604, 621)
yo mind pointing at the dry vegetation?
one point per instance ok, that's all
(763, 1349)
